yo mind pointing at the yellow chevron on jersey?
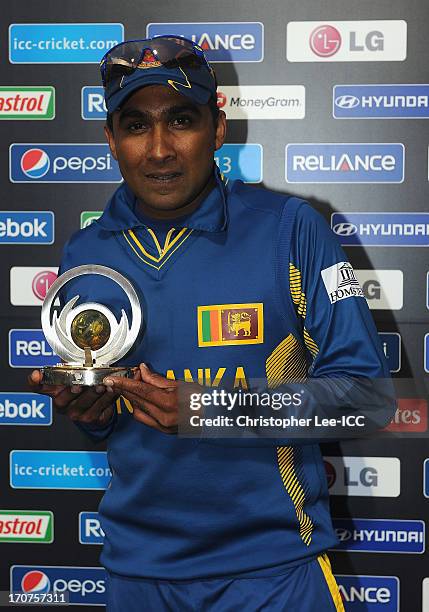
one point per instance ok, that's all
(164, 253)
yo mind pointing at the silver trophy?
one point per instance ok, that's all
(88, 337)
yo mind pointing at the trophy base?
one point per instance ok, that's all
(68, 374)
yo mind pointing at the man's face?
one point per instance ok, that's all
(164, 144)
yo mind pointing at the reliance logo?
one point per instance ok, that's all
(221, 41)
(369, 592)
(344, 163)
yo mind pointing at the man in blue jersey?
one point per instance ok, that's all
(237, 284)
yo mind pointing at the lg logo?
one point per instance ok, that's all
(372, 290)
(42, 282)
(326, 40)
(383, 289)
(347, 41)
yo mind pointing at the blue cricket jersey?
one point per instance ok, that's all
(251, 285)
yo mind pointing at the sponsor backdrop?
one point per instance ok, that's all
(325, 101)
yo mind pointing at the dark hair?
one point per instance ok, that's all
(212, 104)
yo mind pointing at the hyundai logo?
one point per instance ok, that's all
(347, 101)
(343, 534)
(345, 229)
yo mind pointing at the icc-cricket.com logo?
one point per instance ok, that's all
(227, 324)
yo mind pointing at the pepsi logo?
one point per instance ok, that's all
(41, 283)
(325, 41)
(35, 163)
(347, 101)
(35, 581)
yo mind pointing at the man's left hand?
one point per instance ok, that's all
(155, 399)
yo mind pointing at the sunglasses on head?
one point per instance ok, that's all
(168, 51)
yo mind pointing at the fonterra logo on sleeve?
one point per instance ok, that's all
(224, 41)
(85, 586)
(27, 102)
(26, 526)
(62, 163)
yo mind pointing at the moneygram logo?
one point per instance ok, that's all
(62, 163)
(240, 161)
(84, 585)
(92, 103)
(344, 163)
(381, 229)
(29, 285)
(380, 535)
(27, 103)
(26, 227)
(381, 102)
(27, 526)
(346, 41)
(263, 101)
(90, 531)
(325, 41)
(369, 593)
(89, 216)
(221, 41)
(42, 469)
(364, 476)
(25, 409)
